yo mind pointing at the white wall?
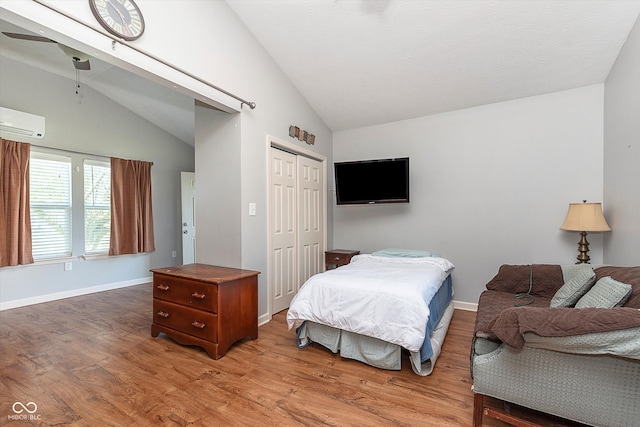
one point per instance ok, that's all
(622, 155)
(210, 42)
(94, 124)
(218, 190)
(512, 167)
(489, 185)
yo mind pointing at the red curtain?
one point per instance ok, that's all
(15, 215)
(131, 213)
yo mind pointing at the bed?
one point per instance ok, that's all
(376, 306)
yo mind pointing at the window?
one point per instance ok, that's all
(97, 206)
(50, 204)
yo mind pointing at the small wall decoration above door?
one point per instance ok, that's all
(301, 135)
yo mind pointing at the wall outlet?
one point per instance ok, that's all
(68, 266)
(174, 254)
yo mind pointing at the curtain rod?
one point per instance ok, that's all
(74, 151)
(115, 40)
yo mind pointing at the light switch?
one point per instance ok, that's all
(252, 209)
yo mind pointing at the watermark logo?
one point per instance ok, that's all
(24, 412)
(20, 407)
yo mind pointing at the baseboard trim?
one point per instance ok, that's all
(467, 306)
(458, 305)
(264, 319)
(7, 305)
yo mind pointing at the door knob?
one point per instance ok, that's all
(185, 224)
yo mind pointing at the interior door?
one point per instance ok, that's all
(188, 197)
(283, 225)
(310, 218)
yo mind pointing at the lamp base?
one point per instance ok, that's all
(583, 248)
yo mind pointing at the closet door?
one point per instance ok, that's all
(310, 218)
(283, 228)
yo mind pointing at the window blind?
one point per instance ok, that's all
(50, 205)
(97, 206)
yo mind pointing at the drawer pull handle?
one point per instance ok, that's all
(163, 314)
(197, 295)
(337, 258)
(198, 324)
(163, 287)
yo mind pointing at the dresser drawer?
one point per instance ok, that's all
(183, 291)
(190, 321)
(339, 257)
(334, 258)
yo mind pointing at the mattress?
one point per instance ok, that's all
(379, 297)
(382, 354)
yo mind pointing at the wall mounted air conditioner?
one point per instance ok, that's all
(20, 123)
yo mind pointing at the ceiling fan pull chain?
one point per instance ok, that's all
(78, 84)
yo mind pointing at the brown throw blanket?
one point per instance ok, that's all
(545, 279)
(512, 323)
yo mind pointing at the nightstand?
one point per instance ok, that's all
(338, 257)
(205, 305)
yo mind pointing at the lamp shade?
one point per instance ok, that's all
(585, 217)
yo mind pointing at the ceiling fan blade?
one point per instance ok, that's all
(30, 37)
(81, 65)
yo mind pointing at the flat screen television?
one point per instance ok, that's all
(372, 181)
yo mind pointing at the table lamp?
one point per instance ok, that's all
(585, 217)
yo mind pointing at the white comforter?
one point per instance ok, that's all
(381, 297)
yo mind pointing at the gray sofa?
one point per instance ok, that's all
(561, 339)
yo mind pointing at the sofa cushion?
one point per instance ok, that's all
(492, 303)
(628, 275)
(606, 293)
(574, 288)
(512, 324)
(546, 279)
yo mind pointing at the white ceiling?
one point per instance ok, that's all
(367, 62)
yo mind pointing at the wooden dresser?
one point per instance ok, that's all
(205, 305)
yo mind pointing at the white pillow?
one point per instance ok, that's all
(405, 253)
(574, 288)
(606, 293)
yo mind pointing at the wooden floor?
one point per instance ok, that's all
(90, 361)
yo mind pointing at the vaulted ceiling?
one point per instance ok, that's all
(166, 108)
(367, 62)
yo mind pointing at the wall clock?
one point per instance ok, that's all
(122, 18)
